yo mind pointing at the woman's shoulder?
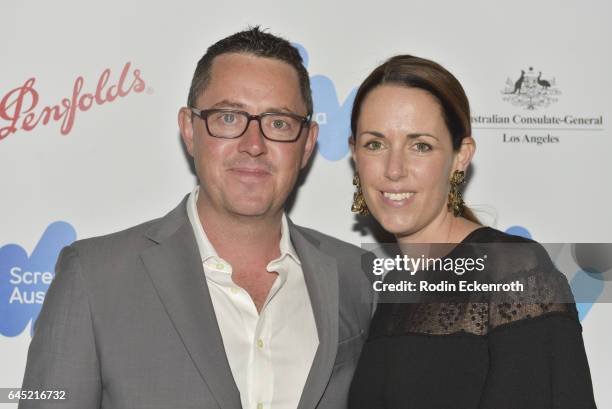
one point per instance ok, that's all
(487, 234)
(538, 288)
(507, 253)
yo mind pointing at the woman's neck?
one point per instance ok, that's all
(446, 229)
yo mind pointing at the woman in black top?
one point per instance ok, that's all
(505, 349)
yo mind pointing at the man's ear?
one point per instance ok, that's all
(185, 124)
(464, 155)
(311, 142)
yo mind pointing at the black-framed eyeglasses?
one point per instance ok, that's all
(231, 123)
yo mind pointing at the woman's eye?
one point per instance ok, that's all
(422, 147)
(373, 145)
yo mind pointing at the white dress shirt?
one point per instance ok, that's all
(270, 353)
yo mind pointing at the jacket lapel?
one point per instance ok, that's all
(176, 271)
(321, 276)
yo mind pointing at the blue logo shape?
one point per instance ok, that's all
(333, 118)
(24, 280)
(583, 286)
(519, 231)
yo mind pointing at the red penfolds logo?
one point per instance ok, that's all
(20, 105)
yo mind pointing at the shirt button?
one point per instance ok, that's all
(219, 266)
(259, 345)
(260, 406)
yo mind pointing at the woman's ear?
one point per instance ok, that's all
(464, 155)
(351, 142)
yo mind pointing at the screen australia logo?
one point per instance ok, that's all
(530, 90)
(25, 279)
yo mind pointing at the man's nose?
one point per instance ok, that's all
(253, 141)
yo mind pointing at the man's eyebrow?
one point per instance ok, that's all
(228, 103)
(283, 108)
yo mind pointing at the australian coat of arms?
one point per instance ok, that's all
(530, 90)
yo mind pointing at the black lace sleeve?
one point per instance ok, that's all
(537, 357)
(544, 290)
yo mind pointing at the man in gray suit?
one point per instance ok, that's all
(224, 302)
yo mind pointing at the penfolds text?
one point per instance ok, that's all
(21, 111)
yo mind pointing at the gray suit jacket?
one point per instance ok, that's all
(128, 322)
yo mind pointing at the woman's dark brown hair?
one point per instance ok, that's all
(415, 72)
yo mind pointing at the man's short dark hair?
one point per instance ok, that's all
(256, 42)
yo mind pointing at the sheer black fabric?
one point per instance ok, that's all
(498, 351)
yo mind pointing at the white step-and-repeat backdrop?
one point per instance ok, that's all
(89, 143)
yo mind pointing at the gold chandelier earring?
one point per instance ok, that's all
(455, 200)
(359, 205)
